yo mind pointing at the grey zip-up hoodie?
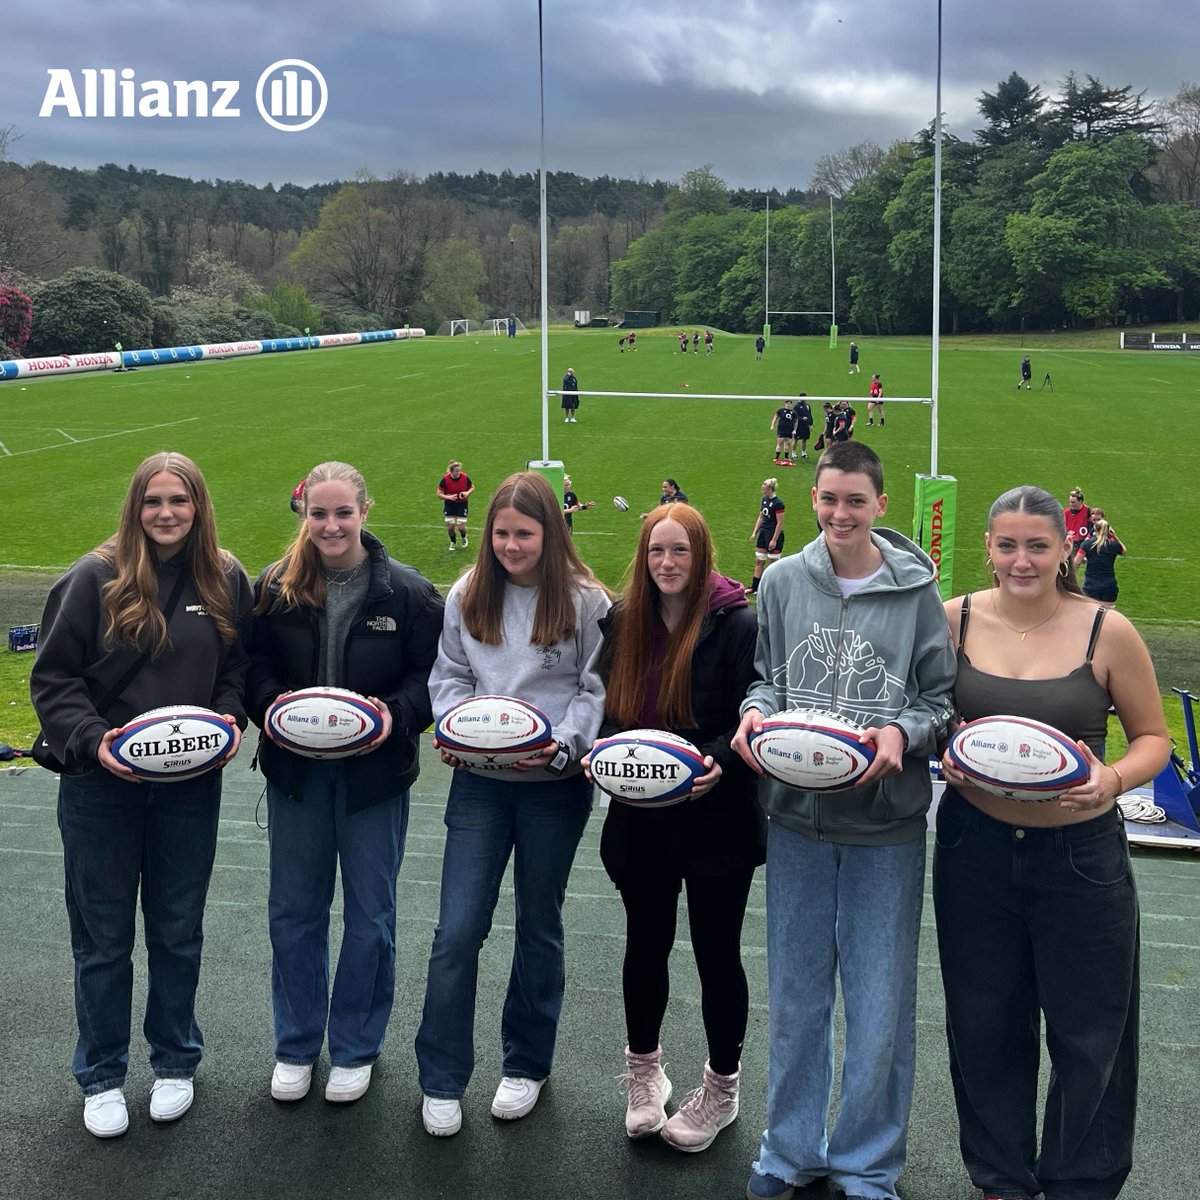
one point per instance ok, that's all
(880, 657)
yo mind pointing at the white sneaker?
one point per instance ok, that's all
(515, 1097)
(170, 1099)
(347, 1083)
(105, 1114)
(464, 543)
(290, 1082)
(441, 1118)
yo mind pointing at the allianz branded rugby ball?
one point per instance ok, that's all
(646, 768)
(491, 733)
(324, 722)
(171, 744)
(1018, 758)
(810, 750)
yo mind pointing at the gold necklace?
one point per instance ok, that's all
(1022, 632)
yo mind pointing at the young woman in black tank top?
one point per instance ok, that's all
(1036, 907)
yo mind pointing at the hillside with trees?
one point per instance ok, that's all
(1080, 209)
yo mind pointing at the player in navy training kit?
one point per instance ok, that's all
(854, 367)
(784, 425)
(804, 421)
(767, 536)
(760, 344)
(708, 342)
(843, 422)
(1026, 374)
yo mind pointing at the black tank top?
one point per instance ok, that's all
(1075, 704)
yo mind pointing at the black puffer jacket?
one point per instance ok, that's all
(390, 648)
(726, 828)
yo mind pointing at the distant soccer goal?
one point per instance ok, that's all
(459, 325)
(498, 326)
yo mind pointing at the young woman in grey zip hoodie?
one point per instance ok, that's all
(853, 624)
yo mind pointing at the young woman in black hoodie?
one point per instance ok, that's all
(337, 611)
(121, 835)
(679, 656)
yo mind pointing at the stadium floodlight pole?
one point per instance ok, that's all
(937, 255)
(544, 281)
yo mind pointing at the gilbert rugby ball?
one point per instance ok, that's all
(324, 722)
(810, 750)
(174, 743)
(620, 504)
(490, 733)
(646, 768)
(1018, 758)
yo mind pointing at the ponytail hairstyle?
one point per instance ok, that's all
(1038, 503)
(634, 643)
(130, 600)
(563, 573)
(299, 573)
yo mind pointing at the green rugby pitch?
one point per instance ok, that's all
(1123, 426)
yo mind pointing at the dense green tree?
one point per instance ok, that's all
(1087, 239)
(1014, 112)
(86, 309)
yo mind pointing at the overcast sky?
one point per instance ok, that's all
(758, 88)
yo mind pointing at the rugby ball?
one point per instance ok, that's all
(175, 743)
(490, 733)
(324, 722)
(646, 768)
(810, 750)
(1018, 758)
(620, 504)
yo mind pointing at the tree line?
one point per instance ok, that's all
(1077, 208)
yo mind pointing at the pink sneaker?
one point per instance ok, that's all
(649, 1090)
(712, 1106)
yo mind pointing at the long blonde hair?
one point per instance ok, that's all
(130, 600)
(632, 655)
(298, 573)
(563, 572)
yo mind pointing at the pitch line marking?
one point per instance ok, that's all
(101, 436)
(6, 450)
(66, 435)
(352, 388)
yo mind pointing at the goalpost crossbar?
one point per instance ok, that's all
(690, 395)
(800, 312)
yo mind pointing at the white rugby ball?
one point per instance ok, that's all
(174, 743)
(810, 750)
(646, 768)
(490, 733)
(620, 504)
(1018, 758)
(324, 722)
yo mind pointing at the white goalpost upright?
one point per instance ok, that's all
(830, 312)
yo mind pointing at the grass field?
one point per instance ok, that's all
(1123, 426)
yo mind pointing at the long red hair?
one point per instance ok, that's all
(634, 642)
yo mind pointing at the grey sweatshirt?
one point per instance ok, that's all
(562, 680)
(882, 656)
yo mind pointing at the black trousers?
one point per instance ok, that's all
(716, 909)
(1039, 922)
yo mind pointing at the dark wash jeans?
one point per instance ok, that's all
(1035, 922)
(119, 838)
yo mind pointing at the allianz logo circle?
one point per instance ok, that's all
(291, 95)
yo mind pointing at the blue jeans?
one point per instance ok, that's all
(487, 819)
(117, 837)
(854, 913)
(307, 838)
(1033, 922)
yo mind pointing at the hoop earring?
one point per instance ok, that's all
(991, 566)
(1064, 570)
